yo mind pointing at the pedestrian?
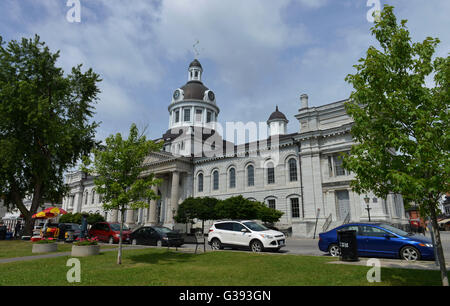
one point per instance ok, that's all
(18, 230)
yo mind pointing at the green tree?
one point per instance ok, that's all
(76, 218)
(118, 170)
(401, 125)
(197, 208)
(241, 208)
(45, 124)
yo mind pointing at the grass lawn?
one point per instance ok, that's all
(160, 267)
(20, 248)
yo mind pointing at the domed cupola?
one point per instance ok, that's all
(193, 104)
(277, 123)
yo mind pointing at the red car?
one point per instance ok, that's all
(110, 232)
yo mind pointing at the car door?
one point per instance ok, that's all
(238, 236)
(137, 235)
(151, 236)
(226, 232)
(378, 242)
(104, 232)
(93, 232)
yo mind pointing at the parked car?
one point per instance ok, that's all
(109, 232)
(245, 234)
(380, 240)
(156, 235)
(64, 228)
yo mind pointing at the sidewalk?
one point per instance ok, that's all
(390, 263)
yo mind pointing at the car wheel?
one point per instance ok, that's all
(410, 253)
(111, 240)
(256, 246)
(159, 243)
(216, 244)
(334, 250)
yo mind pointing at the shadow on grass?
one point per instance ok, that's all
(410, 277)
(164, 258)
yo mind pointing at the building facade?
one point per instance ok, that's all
(300, 174)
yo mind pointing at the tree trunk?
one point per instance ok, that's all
(438, 246)
(28, 214)
(119, 255)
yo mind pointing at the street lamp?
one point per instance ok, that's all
(366, 199)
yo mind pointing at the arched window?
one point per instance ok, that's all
(250, 176)
(93, 197)
(86, 198)
(293, 170)
(216, 180)
(232, 178)
(200, 182)
(270, 173)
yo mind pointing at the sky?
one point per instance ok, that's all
(255, 54)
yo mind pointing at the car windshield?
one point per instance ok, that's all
(162, 230)
(255, 226)
(394, 230)
(116, 227)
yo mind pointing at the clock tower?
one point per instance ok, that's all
(193, 106)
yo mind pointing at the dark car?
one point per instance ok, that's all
(380, 240)
(65, 228)
(109, 232)
(156, 235)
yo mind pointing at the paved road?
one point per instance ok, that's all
(310, 246)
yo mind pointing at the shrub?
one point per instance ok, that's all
(86, 241)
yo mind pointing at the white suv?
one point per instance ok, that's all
(244, 234)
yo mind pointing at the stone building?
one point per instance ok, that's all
(300, 174)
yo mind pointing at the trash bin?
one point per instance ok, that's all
(3, 232)
(9, 235)
(348, 245)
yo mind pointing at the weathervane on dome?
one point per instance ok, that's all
(196, 51)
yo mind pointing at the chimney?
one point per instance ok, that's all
(304, 101)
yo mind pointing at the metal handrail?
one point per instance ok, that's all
(327, 223)
(347, 219)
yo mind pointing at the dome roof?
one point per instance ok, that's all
(277, 115)
(194, 90)
(195, 63)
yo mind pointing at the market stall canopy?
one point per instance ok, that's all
(49, 213)
(445, 221)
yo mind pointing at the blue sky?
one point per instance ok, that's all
(256, 54)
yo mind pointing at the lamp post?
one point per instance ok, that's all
(366, 199)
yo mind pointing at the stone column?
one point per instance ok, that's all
(151, 218)
(114, 215)
(129, 218)
(173, 197)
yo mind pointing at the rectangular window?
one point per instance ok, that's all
(330, 166)
(198, 115)
(216, 180)
(271, 204)
(295, 207)
(270, 175)
(208, 117)
(187, 115)
(338, 168)
(251, 176)
(177, 116)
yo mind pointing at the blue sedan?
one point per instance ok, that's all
(380, 240)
